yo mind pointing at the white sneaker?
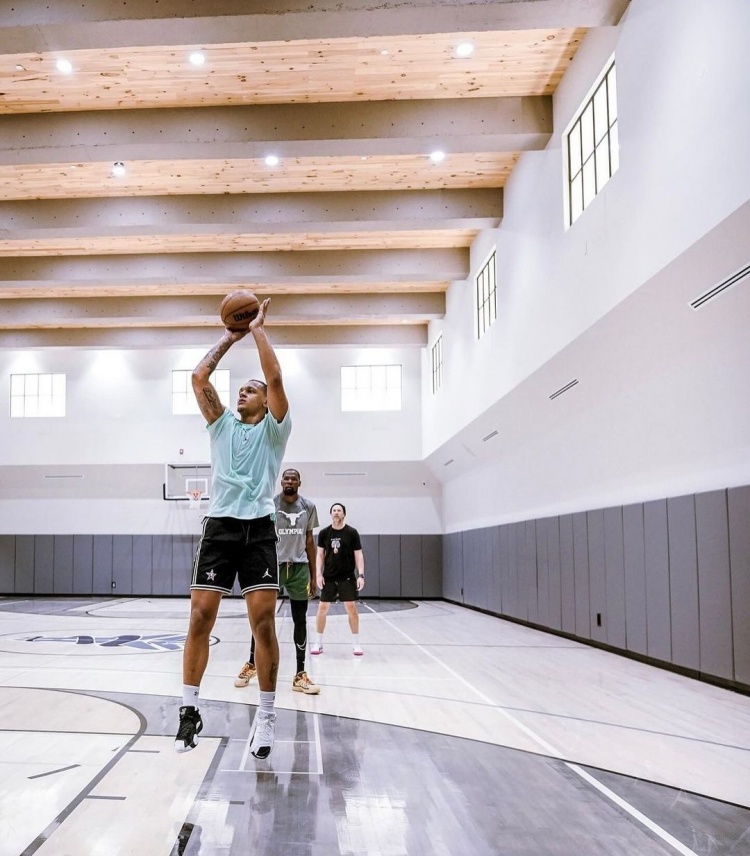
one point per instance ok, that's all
(357, 651)
(316, 649)
(264, 726)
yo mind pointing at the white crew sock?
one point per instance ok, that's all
(190, 695)
(319, 637)
(267, 703)
(355, 639)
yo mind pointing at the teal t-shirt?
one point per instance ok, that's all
(245, 463)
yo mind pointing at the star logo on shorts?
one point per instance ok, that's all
(211, 575)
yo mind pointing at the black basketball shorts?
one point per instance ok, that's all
(229, 548)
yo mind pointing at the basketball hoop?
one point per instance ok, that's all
(195, 497)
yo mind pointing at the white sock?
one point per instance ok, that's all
(355, 639)
(267, 703)
(190, 695)
(320, 640)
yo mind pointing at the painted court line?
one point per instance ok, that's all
(549, 749)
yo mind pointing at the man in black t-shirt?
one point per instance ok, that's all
(341, 573)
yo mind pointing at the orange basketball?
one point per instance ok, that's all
(238, 309)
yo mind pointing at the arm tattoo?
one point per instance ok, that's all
(211, 399)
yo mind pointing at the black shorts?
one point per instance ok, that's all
(231, 548)
(343, 587)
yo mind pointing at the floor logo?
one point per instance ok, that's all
(85, 643)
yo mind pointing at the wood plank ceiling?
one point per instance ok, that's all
(355, 231)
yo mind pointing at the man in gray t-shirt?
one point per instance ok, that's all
(296, 517)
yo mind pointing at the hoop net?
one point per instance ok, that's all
(195, 497)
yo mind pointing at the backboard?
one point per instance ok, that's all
(180, 479)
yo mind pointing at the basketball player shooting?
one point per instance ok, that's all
(239, 537)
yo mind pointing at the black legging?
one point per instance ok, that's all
(299, 619)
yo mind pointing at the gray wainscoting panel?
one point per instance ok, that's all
(739, 559)
(513, 599)
(614, 564)
(526, 549)
(597, 575)
(102, 564)
(83, 564)
(555, 573)
(7, 564)
(411, 566)
(142, 562)
(683, 582)
(656, 560)
(542, 573)
(390, 565)
(453, 572)
(475, 567)
(567, 574)
(714, 588)
(371, 552)
(581, 560)
(63, 567)
(161, 577)
(634, 564)
(44, 564)
(122, 564)
(432, 566)
(182, 564)
(24, 564)
(494, 576)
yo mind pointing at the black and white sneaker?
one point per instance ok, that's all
(261, 742)
(191, 726)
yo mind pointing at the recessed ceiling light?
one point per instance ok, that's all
(464, 49)
(197, 58)
(118, 169)
(437, 156)
(64, 65)
(384, 52)
(20, 67)
(364, 157)
(271, 160)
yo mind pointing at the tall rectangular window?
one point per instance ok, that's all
(436, 360)
(592, 148)
(37, 395)
(183, 397)
(371, 387)
(486, 296)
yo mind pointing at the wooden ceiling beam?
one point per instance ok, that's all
(204, 311)
(41, 26)
(294, 211)
(343, 266)
(287, 130)
(401, 335)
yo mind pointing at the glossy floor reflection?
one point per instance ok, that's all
(455, 733)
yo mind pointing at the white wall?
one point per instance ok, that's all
(683, 74)
(119, 407)
(119, 413)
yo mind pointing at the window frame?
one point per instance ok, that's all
(486, 304)
(57, 397)
(436, 363)
(350, 404)
(584, 169)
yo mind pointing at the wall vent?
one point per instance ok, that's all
(563, 389)
(704, 298)
(449, 461)
(489, 436)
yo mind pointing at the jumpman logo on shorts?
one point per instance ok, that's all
(267, 574)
